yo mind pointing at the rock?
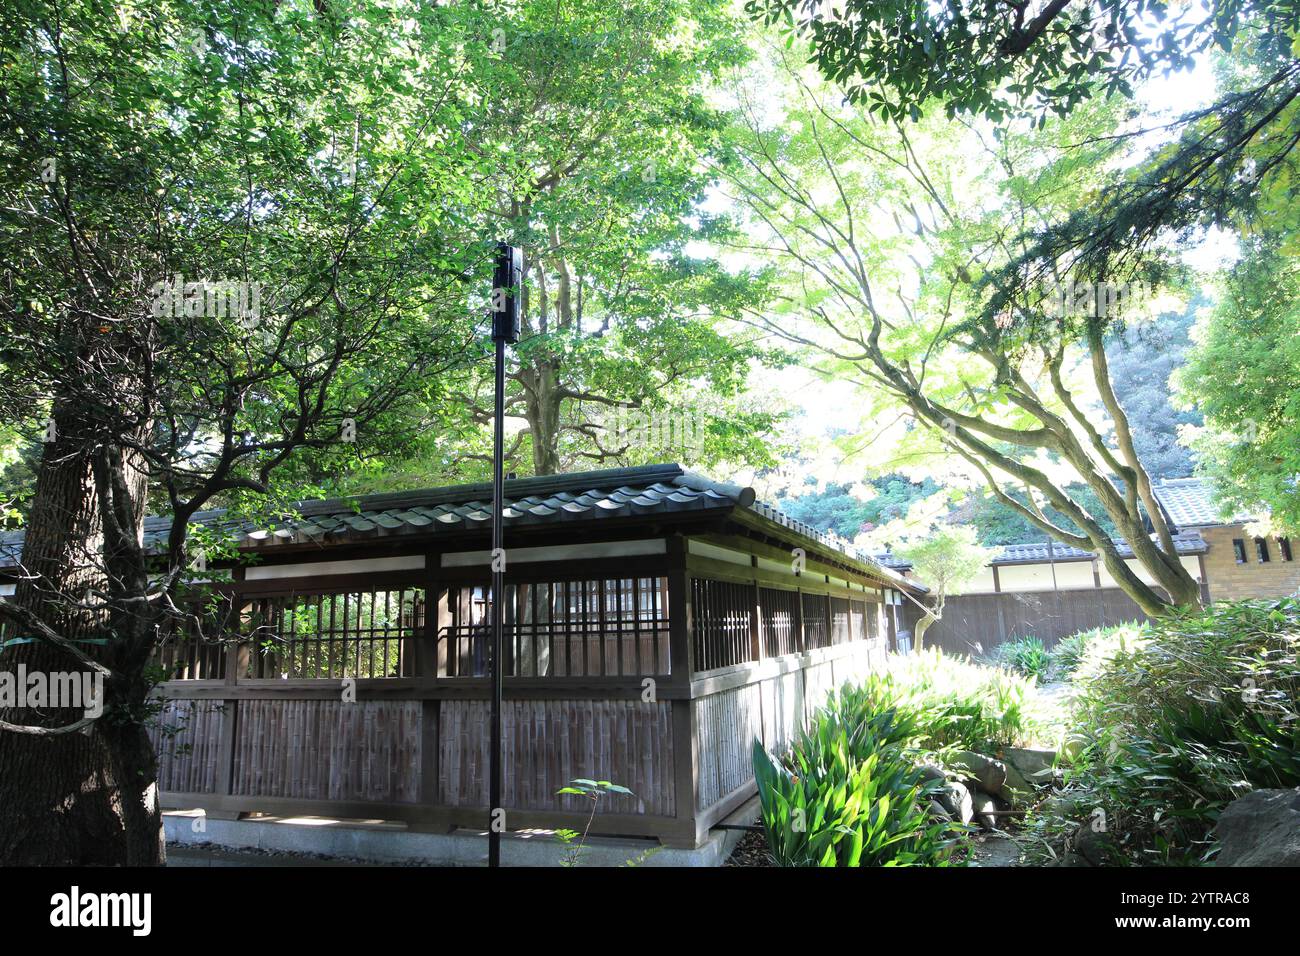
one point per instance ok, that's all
(983, 772)
(956, 799)
(930, 772)
(985, 807)
(1092, 845)
(1070, 859)
(1070, 805)
(995, 851)
(1072, 747)
(1016, 787)
(1034, 763)
(939, 812)
(1260, 829)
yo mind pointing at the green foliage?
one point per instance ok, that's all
(1026, 656)
(999, 524)
(979, 57)
(905, 310)
(835, 508)
(946, 557)
(1084, 655)
(848, 793)
(1244, 375)
(593, 135)
(1142, 360)
(1181, 720)
(575, 843)
(226, 142)
(965, 705)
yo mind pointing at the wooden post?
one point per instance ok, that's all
(681, 653)
(686, 768)
(801, 642)
(430, 763)
(681, 650)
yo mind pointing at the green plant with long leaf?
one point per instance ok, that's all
(848, 793)
(575, 843)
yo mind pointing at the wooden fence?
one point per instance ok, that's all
(976, 623)
(365, 696)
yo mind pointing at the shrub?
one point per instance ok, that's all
(964, 704)
(1026, 656)
(1068, 653)
(1182, 718)
(1098, 647)
(848, 793)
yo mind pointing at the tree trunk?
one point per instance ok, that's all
(72, 799)
(135, 771)
(57, 804)
(542, 412)
(923, 625)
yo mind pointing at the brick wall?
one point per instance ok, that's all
(1253, 579)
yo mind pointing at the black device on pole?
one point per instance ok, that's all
(507, 280)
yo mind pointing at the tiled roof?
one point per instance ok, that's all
(1037, 552)
(1188, 542)
(586, 496)
(1190, 503)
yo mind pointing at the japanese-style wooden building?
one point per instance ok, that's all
(656, 623)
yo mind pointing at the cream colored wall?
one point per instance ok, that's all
(1069, 576)
(1189, 563)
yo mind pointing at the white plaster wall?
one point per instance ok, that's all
(364, 566)
(559, 552)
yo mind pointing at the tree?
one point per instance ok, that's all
(837, 509)
(1142, 361)
(1021, 395)
(591, 138)
(947, 558)
(1244, 375)
(222, 251)
(997, 58)
(1241, 372)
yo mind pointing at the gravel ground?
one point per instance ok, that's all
(750, 851)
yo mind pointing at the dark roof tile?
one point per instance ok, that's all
(648, 490)
(1190, 503)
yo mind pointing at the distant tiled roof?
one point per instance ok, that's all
(1188, 542)
(891, 560)
(1041, 552)
(585, 496)
(1190, 503)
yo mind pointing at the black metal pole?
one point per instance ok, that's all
(498, 592)
(507, 280)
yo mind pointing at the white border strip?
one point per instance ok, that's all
(559, 552)
(406, 562)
